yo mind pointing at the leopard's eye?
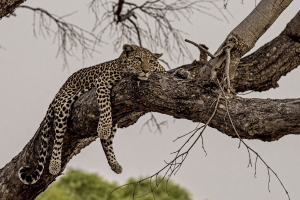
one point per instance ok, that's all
(138, 58)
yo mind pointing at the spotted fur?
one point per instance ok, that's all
(134, 59)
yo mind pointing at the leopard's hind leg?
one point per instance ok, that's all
(107, 145)
(61, 115)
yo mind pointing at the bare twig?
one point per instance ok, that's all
(68, 36)
(196, 129)
(154, 123)
(1, 47)
(200, 47)
(149, 23)
(172, 167)
(165, 62)
(246, 92)
(250, 149)
(137, 32)
(227, 65)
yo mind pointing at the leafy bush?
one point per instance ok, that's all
(79, 185)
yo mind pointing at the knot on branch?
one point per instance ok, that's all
(123, 17)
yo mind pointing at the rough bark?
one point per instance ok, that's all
(8, 6)
(257, 23)
(243, 38)
(262, 69)
(191, 98)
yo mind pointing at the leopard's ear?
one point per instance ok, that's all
(128, 49)
(157, 55)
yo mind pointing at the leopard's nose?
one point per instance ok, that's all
(145, 70)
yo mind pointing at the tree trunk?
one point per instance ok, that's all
(193, 97)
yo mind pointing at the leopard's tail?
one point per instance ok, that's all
(35, 176)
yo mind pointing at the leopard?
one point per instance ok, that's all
(133, 60)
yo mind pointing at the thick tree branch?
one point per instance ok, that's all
(257, 23)
(262, 69)
(242, 39)
(262, 119)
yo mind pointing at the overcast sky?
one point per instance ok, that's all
(31, 75)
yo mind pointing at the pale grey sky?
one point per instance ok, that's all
(30, 76)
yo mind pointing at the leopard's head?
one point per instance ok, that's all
(139, 61)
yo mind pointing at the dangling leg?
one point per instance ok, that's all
(103, 99)
(107, 145)
(35, 176)
(62, 113)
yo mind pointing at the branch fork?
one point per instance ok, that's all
(223, 55)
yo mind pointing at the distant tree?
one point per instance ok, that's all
(77, 185)
(166, 190)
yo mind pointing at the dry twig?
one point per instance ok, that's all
(249, 149)
(153, 122)
(149, 23)
(201, 48)
(172, 167)
(68, 36)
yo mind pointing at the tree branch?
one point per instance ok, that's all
(262, 69)
(119, 16)
(119, 9)
(7, 7)
(243, 38)
(262, 119)
(69, 36)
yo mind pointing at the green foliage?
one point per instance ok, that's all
(78, 185)
(164, 191)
